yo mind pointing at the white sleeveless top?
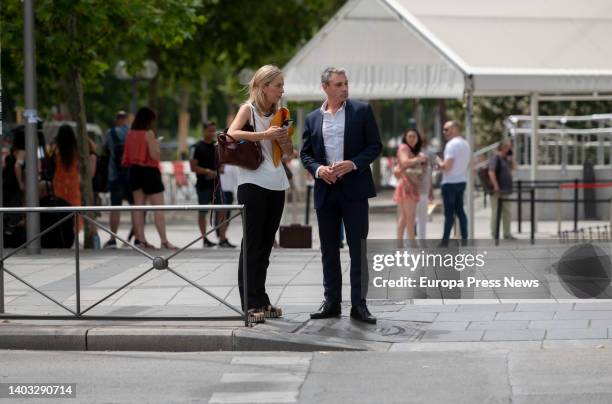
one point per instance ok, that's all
(266, 175)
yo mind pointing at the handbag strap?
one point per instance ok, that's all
(252, 116)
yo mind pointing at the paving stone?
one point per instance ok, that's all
(467, 315)
(544, 307)
(601, 323)
(596, 305)
(513, 335)
(487, 307)
(498, 325)
(584, 314)
(525, 315)
(408, 316)
(437, 308)
(577, 333)
(448, 325)
(544, 324)
(439, 335)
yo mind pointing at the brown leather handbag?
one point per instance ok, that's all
(241, 153)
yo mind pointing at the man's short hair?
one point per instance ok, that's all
(504, 142)
(206, 124)
(326, 75)
(455, 124)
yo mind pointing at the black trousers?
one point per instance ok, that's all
(264, 209)
(354, 214)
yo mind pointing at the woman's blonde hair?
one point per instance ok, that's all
(262, 77)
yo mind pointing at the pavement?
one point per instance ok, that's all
(527, 374)
(294, 282)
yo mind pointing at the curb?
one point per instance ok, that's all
(161, 339)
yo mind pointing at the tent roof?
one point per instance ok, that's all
(425, 48)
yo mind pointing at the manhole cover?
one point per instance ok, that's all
(383, 331)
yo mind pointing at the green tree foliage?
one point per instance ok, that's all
(77, 41)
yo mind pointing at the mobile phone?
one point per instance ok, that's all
(287, 123)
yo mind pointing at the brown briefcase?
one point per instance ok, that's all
(295, 236)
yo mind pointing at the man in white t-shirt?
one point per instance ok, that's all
(454, 167)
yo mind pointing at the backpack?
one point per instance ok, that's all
(483, 175)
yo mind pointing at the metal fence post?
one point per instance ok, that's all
(77, 264)
(244, 268)
(498, 215)
(559, 209)
(609, 216)
(532, 214)
(520, 205)
(1, 251)
(576, 204)
(308, 196)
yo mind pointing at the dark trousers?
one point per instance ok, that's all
(354, 214)
(452, 196)
(264, 209)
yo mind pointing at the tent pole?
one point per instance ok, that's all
(469, 135)
(535, 141)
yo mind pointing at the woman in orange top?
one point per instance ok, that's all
(141, 154)
(66, 180)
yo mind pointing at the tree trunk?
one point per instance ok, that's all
(231, 110)
(204, 99)
(153, 93)
(78, 112)
(153, 98)
(183, 123)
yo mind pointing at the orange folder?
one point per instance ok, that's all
(277, 120)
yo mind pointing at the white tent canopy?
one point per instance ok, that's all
(439, 49)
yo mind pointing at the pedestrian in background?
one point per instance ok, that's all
(141, 155)
(500, 167)
(454, 167)
(410, 170)
(202, 163)
(67, 177)
(118, 175)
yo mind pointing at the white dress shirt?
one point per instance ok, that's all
(333, 135)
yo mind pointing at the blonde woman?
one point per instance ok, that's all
(262, 191)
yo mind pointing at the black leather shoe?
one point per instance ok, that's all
(362, 313)
(327, 310)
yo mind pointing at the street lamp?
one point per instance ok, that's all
(149, 70)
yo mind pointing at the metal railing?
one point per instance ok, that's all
(530, 187)
(161, 263)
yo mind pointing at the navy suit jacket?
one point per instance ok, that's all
(361, 145)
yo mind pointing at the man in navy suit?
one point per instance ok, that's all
(340, 141)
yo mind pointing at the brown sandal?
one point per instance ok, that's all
(255, 316)
(272, 311)
(168, 246)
